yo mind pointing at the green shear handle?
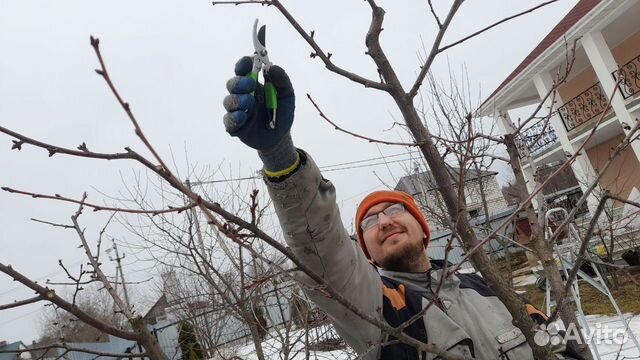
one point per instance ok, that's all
(260, 60)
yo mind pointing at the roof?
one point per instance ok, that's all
(582, 8)
(157, 310)
(114, 345)
(18, 345)
(481, 220)
(424, 181)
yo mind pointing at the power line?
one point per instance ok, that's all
(20, 317)
(225, 180)
(370, 159)
(367, 165)
(325, 168)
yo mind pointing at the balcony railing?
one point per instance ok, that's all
(584, 107)
(629, 78)
(536, 138)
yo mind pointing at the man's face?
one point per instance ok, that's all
(395, 243)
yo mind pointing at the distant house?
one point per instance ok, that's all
(606, 58)
(15, 346)
(478, 185)
(114, 345)
(504, 240)
(158, 311)
(486, 208)
(591, 109)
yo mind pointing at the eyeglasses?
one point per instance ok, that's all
(372, 220)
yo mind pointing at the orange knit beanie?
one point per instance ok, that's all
(378, 197)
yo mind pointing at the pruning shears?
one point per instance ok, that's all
(261, 62)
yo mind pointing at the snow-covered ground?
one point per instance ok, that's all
(273, 347)
(607, 348)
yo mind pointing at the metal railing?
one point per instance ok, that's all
(629, 78)
(536, 138)
(584, 107)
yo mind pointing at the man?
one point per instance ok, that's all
(466, 318)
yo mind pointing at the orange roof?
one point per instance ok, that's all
(581, 9)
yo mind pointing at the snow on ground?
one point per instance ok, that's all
(524, 280)
(607, 348)
(273, 347)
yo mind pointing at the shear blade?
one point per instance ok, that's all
(261, 35)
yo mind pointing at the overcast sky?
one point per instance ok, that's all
(170, 60)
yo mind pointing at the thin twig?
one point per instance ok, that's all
(246, 2)
(96, 265)
(335, 126)
(105, 75)
(434, 49)
(435, 16)
(52, 224)
(494, 25)
(52, 297)
(580, 257)
(21, 302)
(526, 201)
(52, 149)
(69, 349)
(95, 207)
(317, 50)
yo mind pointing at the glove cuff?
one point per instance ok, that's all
(280, 157)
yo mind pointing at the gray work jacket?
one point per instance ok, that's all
(469, 321)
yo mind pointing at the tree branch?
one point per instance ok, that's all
(434, 49)
(50, 295)
(22, 302)
(318, 52)
(96, 265)
(69, 349)
(435, 16)
(95, 43)
(246, 2)
(52, 224)
(580, 256)
(442, 49)
(96, 207)
(561, 168)
(207, 207)
(336, 127)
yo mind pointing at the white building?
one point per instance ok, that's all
(607, 58)
(479, 185)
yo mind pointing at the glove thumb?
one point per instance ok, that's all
(280, 81)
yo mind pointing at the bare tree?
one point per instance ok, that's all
(137, 327)
(60, 325)
(244, 231)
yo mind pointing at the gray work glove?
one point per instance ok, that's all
(248, 118)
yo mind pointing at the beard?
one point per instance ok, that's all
(404, 259)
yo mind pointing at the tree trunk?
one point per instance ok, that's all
(256, 336)
(436, 163)
(147, 340)
(480, 260)
(543, 250)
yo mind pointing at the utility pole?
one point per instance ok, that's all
(119, 271)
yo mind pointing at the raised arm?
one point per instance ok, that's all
(305, 203)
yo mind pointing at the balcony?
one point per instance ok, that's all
(591, 103)
(584, 107)
(536, 139)
(629, 78)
